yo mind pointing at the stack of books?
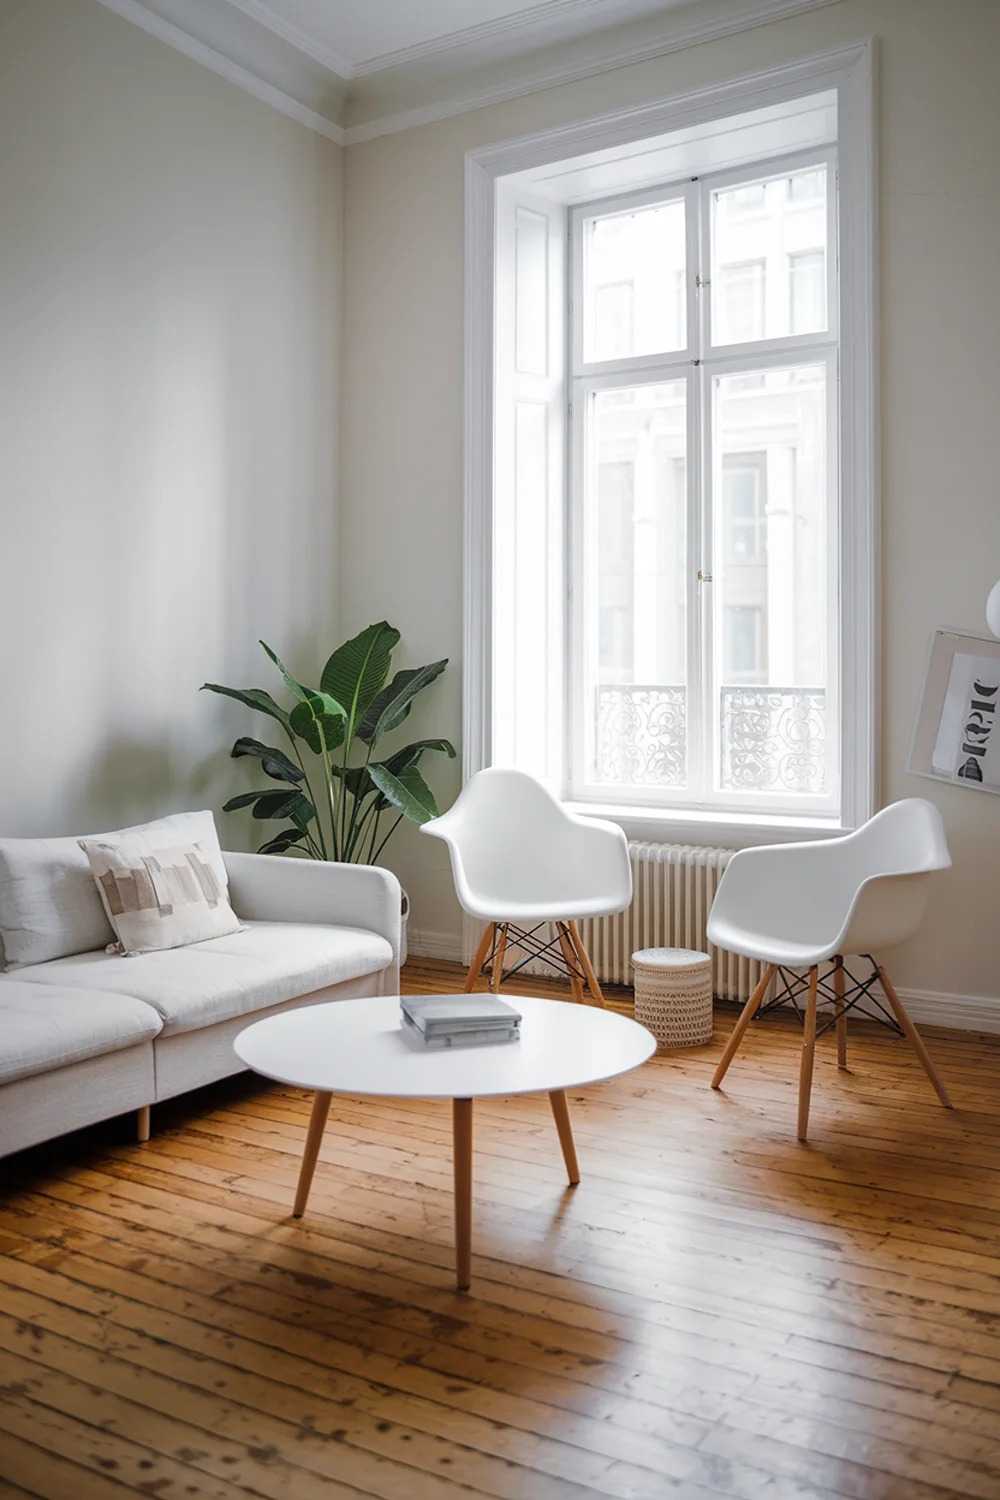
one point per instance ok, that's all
(459, 1020)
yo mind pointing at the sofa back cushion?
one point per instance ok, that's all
(49, 902)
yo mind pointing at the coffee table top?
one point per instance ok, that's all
(358, 1047)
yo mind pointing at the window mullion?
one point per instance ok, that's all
(700, 551)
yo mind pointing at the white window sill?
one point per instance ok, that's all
(731, 830)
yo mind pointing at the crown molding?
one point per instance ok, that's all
(182, 41)
(520, 23)
(450, 93)
(335, 62)
(675, 36)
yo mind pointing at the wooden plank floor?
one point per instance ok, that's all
(715, 1311)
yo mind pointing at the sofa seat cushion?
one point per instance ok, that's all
(226, 976)
(48, 1026)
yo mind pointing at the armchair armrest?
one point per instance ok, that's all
(277, 888)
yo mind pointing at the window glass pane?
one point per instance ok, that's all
(635, 539)
(634, 282)
(770, 571)
(807, 290)
(768, 275)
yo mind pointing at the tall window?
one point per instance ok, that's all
(703, 638)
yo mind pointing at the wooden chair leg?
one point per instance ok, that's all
(571, 961)
(913, 1036)
(479, 958)
(808, 1056)
(314, 1137)
(746, 1016)
(587, 967)
(560, 1112)
(838, 987)
(142, 1124)
(496, 978)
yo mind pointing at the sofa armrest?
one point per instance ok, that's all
(277, 888)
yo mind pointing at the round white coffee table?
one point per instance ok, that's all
(357, 1047)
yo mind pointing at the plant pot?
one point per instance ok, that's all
(404, 922)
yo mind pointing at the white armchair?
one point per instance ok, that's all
(521, 862)
(802, 906)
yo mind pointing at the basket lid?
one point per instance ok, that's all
(670, 958)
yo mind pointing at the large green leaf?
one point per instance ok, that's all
(408, 791)
(320, 721)
(359, 667)
(255, 698)
(245, 799)
(390, 707)
(293, 685)
(288, 803)
(282, 841)
(292, 805)
(409, 755)
(274, 762)
(358, 779)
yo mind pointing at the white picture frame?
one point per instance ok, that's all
(956, 737)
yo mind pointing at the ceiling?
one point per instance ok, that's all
(354, 69)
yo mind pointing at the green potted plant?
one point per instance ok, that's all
(336, 786)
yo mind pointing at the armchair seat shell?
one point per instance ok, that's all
(518, 856)
(800, 904)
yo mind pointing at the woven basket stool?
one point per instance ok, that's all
(673, 995)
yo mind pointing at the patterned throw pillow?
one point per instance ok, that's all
(159, 897)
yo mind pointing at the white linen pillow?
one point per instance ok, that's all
(49, 904)
(159, 895)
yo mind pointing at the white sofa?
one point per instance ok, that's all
(91, 1034)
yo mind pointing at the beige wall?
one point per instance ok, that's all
(169, 303)
(939, 139)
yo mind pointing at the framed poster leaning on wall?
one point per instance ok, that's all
(957, 737)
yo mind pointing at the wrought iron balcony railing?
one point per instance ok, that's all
(773, 739)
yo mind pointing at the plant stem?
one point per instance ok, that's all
(388, 836)
(336, 802)
(359, 831)
(319, 825)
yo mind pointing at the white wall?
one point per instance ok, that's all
(169, 302)
(939, 136)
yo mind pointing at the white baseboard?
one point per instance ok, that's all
(963, 1012)
(422, 943)
(927, 1007)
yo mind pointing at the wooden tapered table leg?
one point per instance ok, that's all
(571, 961)
(560, 1111)
(913, 1037)
(808, 1056)
(838, 987)
(317, 1120)
(745, 1017)
(585, 964)
(462, 1149)
(479, 957)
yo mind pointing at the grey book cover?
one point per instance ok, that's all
(451, 1013)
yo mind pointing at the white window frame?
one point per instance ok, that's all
(850, 71)
(697, 363)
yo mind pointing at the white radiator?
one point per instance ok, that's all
(673, 889)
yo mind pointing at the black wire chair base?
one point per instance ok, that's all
(790, 985)
(534, 948)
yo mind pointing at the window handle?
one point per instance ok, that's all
(704, 577)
